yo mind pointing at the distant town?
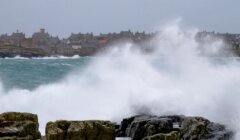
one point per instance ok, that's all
(76, 40)
(41, 43)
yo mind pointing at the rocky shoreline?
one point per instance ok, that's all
(11, 51)
(25, 126)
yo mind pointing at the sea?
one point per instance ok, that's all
(175, 79)
(30, 73)
(25, 73)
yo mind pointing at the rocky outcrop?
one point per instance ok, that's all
(19, 126)
(24, 126)
(80, 130)
(174, 135)
(201, 128)
(172, 128)
(13, 51)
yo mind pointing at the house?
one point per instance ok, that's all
(17, 38)
(76, 46)
(40, 38)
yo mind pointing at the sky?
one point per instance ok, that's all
(62, 17)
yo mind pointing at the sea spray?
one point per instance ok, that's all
(176, 78)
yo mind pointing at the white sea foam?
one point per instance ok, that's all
(45, 57)
(16, 57)
(175, 79)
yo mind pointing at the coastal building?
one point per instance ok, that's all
(75, 38)
(40, 39)
(76, 46)
(17, 38)
(4, 39)
(126, 34)
(43, 39)
(89, 40)
(80, 38)
(139, 36)
(27, 42)
(102, 41)
(53, 41)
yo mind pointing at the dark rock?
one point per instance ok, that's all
(141, 126)
(201, 128)
(17, 138)
(43, 138)
(80, 130)
(172, 128)
(19, 126)
(125, 124)
(30, 52)
(8, 131)
(24, 126)
(174, 135)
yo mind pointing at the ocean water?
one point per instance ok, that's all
(177, 78)
(25, 73)
(28, 74)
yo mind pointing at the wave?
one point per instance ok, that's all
(47, 57)
(174, 79)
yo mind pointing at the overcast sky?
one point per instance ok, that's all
(61, 17)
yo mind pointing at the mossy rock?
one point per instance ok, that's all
(22, 126)
(8, 138)
(2, 119)
(17, 138)
(53, 132)
(174, 135)
(80, 130)
(17, 116)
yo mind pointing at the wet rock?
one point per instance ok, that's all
(80, 130)
(141, 126)
(9, 131)
(201, 128)
(174, 135)
(43, 138)
(172, 128)
(19, 126)
(16, 138)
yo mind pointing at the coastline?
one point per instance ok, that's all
(34, 52)
(12, 51)
(42, 44)
(25, 126)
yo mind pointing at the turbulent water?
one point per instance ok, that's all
(174, 79)
(30, 73)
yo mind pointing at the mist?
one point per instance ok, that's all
(177, 78)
